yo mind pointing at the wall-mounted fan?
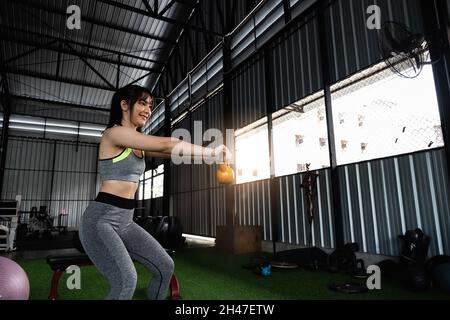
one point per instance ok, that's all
(406, 52)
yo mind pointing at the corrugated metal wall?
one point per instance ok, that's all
(382, 199)
(295, 63)
(293, 209)
(253, 206)
(193, 45)
(249, 92)
(29, 172)
(351, 45)
(197, 199)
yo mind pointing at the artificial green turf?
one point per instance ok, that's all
(205, 273)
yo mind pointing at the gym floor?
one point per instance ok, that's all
(204, 273)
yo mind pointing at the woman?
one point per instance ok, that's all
(108, 233)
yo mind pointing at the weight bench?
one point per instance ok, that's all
(60, 263)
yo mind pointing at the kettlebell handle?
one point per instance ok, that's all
(224, 157)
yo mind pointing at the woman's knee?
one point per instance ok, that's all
(167, 266)
(122, 288)
(128, 282)
(170, 265)
(130, 279)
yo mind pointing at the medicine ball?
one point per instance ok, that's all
(439, 268)
(436, 260)
(150, 224)
(343, 258)
(389, 268)
(441, 276)
(417, 279)
(167, 230)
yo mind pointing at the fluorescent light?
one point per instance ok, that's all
(90, 133)
(28, 120)
(26, 128)
(74, 132)
(36, 124)
(94, 127)
(63, 124)
(206, 239)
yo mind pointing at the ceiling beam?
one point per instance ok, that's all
(85, 45)
(167, 7)
(187, 3)
(147, 6)
(94, 21)
(158, 16)
(61, 49)
(57, 79)
(57, 103)
(90, 66)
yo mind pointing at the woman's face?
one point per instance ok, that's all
(141, 111)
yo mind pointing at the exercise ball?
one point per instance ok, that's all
(14, 283)
(441, 276)
(225, 174)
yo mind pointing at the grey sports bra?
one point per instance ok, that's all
(125, 167)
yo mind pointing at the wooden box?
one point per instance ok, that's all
(239, 239)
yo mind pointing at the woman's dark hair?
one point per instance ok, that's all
(131, 94)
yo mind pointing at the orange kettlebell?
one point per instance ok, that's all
(225, 174)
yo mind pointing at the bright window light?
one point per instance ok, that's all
(158, 186)
(148, 189)
(385, 115)
(300, 136)
(252, 154)
(145, 180)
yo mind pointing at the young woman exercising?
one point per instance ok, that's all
(108, 233)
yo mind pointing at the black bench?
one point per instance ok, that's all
(60, 263)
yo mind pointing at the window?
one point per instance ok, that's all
(146, 189)
(252, 152)
(300, 136)
(158, 186)
(379, 114)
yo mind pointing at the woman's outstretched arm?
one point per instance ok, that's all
(160, 146)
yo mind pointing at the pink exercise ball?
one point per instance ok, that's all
(14, 283)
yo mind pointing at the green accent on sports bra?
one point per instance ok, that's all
(122, 167)
(125, 154)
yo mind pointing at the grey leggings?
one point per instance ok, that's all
(112, 239)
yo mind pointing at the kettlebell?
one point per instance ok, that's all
(225, 174)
